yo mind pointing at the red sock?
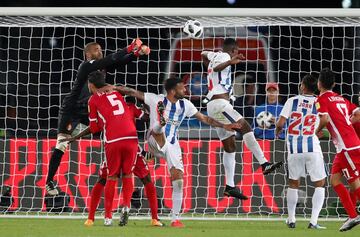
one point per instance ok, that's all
(127, 190)
(353, 197)
(95, 199)
(109, 197)
(345, 199)
(150, 191)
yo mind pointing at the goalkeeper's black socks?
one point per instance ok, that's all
(54, 164)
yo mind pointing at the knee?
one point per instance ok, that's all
(178, 184)
(102, 181)
(146, 179)
(245, 126)
(61, 145)
(320, 183)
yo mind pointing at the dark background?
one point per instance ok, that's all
(172, 3)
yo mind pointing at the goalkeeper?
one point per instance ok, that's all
(73, 110)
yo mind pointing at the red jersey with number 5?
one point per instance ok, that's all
(111, 110)
(339, 110)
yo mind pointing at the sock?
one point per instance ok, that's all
(345, 199)
(109, 197)
(150, 191)
(229, 165)
(353, 197)
(95, 199)
(54, 164)
(127, 190)
(357, 193)
(254, 147)
(292, 198)
(317, 203)
(177, 195)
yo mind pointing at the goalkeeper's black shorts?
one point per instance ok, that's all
(69, 120)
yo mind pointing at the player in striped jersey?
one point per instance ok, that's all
(219, 107)
(304, 149)
(166, 114)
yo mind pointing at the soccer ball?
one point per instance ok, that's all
(193, 29)
(263, 119)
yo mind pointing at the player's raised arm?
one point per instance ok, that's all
(214, 123)
(204, 56)
(131, 92)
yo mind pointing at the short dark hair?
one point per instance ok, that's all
(171, 83)
(327, 78)
(310, 82)
(229, 44)
(97, 78)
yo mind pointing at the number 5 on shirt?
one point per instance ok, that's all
(114, 101)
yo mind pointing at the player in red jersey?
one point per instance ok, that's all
(141, 170)
(120, 144)
(335, 112)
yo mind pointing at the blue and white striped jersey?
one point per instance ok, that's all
(174, 113)
(302, 118)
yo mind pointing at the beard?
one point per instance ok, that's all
(179, 97)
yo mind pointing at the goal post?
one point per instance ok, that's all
(41, 49)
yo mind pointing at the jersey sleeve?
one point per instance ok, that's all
(93, 118)
(118, 58)
(151, 99)
(190, 109)
(136, 112)
(321, 106)
(351, 107)
(286, 110)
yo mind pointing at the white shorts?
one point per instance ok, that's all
(223, 111)
(312, 161)
(171, 152)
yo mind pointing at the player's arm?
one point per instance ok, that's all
(234, 60)
(279, 126)
(131, 92)
(119, 57)
(324, 119)
(204, 56)
(93, 119)
(214, 123)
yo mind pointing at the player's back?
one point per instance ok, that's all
(116, 116)
(218, 82)
(339, 110)
(302, 115)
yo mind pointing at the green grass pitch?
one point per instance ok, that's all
(74, 227)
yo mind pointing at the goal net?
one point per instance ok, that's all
(39, 58)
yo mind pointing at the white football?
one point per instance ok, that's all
(263, 119)
(193, 29)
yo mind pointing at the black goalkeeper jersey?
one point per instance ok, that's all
(76, 101)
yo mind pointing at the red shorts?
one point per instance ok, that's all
(141, 169)
(348, 163)
(120, 157)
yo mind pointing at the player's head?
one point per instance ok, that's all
(272, 92)
(92, 51)
(96, 80)
(326, 79)
(230, 46)
(175, 87)
(308, 84)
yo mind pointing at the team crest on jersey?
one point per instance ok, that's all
(317, 105)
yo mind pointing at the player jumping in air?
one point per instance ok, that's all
(141, 170)
(166, 114)
(304, 149)
(335, 112)
(219, 107)
(74, 106)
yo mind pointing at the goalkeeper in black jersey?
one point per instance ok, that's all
(74, 110)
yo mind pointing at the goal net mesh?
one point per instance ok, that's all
(39, 58)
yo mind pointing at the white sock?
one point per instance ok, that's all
(317, 203)
(229, 165)
(254, 147)
(292, 198)
(177, 196)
